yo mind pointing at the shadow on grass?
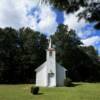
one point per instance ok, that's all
(39, 94)
(74, 85)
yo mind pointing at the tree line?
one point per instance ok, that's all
(23, 50)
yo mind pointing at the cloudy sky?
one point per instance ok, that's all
(30, 13)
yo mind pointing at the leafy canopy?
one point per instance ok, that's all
(91, 9)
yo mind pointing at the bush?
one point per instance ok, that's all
(68, 82)
(35, 90)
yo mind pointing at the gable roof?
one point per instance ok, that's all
(44, 64)
(40, 67)
(57, 64)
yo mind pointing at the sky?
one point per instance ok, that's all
(45, 19)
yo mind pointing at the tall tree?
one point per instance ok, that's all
(32, 45)
(80, 65)
(91, 52)
(21, 51)
(8, 45)
(65, 41)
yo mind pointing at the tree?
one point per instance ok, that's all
(91, 12)
(32, 47)
(21, 51)
(80, 65)
(91, 52)
(64, 40)
(8, 45)
(67, 5)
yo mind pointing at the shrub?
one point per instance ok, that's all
(68, 82)
(35, 90)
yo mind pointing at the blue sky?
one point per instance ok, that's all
(30, 13)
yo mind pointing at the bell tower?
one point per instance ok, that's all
(51, 65)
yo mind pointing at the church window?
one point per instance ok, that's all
(50, 53)
(51, 74)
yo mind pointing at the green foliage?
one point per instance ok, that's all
(21, 51)
(90, 13)
(8, 46)
(66, 42)
(91, 52)
(67, 5)
(81, 62)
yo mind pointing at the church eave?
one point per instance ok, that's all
(40, 67)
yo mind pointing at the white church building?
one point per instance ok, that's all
(50, 73)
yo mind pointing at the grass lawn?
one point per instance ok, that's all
(83, 91)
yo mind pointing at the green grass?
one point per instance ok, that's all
(83, 91)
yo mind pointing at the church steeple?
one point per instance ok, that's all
(50, 48)
(51, 64)
(49, 44)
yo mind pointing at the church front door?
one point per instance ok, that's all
(51, 79)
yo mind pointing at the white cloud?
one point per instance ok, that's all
(83, 29)
(47, 22)
(14, 13)
(72, 20)
(91, 41)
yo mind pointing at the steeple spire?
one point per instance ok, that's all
(50, 48)
(49, 44)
